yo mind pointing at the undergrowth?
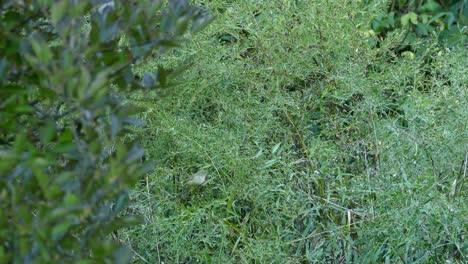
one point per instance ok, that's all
(319, 147)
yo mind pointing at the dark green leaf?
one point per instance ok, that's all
(47, 131)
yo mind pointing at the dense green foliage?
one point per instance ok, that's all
(65, 167)
(320, 146)
(303, 132)
(422, 19)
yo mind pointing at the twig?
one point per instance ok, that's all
(138, 255)
(159, 255)
(376, 143)
(339, 206)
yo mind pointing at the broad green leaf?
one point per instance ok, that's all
(42, 51)
(42, 178)
(47, 131)
(391, 19)
(24, 109)
(20, 143)
(424, 18)
(411, 16)
(59, 230)
(437, 17)
(59, 8)
(430, 6)
(70, 199)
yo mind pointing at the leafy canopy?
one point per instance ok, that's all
(65, 169)
(421, 18)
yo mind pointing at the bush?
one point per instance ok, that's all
(65, 167)
(421, 18)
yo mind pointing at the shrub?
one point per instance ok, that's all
(64, 165)
(421, 18)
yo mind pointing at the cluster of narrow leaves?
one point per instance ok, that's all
(65, 168)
